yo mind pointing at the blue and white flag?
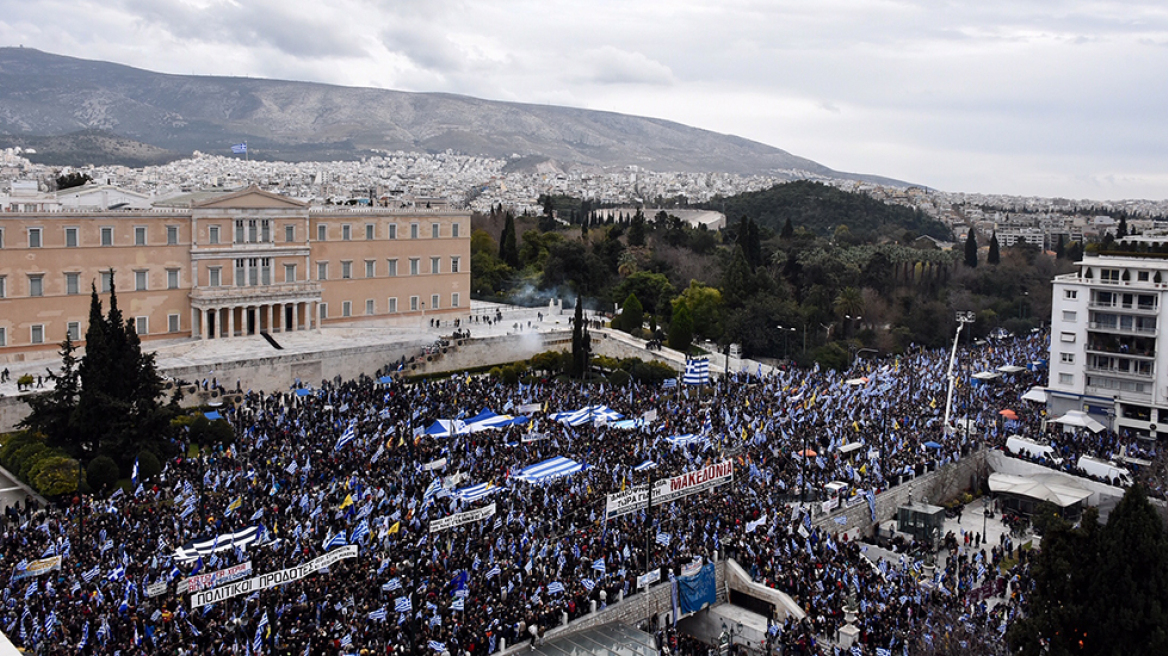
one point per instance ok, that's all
(588, 584)
(337, 540)
(239, 148)
(403, 604)
(598, 565)
(437, 646)
(378, 615)
(697, 372)
(663, 539)
(669, 383)
(555, 587)
(493, 572)
(458, 604)
(361, 531)
(134, 474)
(392, 584)
(349, 435)
(89, 575)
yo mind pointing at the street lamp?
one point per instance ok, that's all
(786, 341)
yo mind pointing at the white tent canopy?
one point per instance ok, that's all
(1035, 394)
(1079, 419)
(1056, 493)
(986, 375)
(1010, 368)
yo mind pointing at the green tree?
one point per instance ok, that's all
(632, 315)
(581, 342)
(704, 306)
(995, 255)
(788, 230)
(1060, 249)
(72, 180)
(508, 250)
(637, 229)
(971, 249)
(1121, 230)
(51, 413)
(681, 328)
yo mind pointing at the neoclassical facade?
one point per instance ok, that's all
(219, 264)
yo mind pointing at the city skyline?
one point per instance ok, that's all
(1000, 98)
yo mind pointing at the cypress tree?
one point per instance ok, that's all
(508, 250)
(788, 230)
(971, 249)
(995, 254)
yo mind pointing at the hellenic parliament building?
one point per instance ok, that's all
(211, 265)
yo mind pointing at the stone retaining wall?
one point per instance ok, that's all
(933, 487)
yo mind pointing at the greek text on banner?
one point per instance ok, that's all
(450, 521)
(669, 489)
(272, 579)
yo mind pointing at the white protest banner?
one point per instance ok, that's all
(272, 579)
(36, 568)
(622, 503)
(450, 521)
(645, 580)
(669, 489)
(155, 589)
(435, 465)
(533, 437)
(203, 581)
(528, 408)
(650, 415)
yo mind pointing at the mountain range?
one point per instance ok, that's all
(77, 111)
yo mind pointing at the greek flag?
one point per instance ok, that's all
(434, 490)
(337, 540)
(349, 435)
(881, 651)
(258, 641)
(403, 604)
(458, 604)
(437, 646)
(347, 641)
(378, 614)
(239, 148)
(393, 584)
(598, 565)
(134, 474)
(91, 574)
(697, 372)
(493, 572)
(670, 383)
(555, 587)
(588, 584)
(663, 539)
(361, 531)
(118, 573)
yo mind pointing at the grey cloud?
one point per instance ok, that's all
(611, 65)
(255, 22)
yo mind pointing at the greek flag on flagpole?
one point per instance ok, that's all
(598, 565)
(239, 148)
(697, 371)
(663, 539)
(337, 540)
(378, 614)
(349, 435)
(361, 531)
(134, 474)
(403, 604)
(493, 572)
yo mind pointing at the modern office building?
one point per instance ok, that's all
(212, 265)
(1105, 354)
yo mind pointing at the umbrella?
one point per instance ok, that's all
(1009, 414)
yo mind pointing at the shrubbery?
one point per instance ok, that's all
(49, 471)
(103, 473)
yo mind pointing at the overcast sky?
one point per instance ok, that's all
(1023, 97)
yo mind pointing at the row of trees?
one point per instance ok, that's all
(767, 281)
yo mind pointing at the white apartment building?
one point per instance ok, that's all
(1105, 355)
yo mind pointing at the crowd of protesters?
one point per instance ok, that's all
(349, 462)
